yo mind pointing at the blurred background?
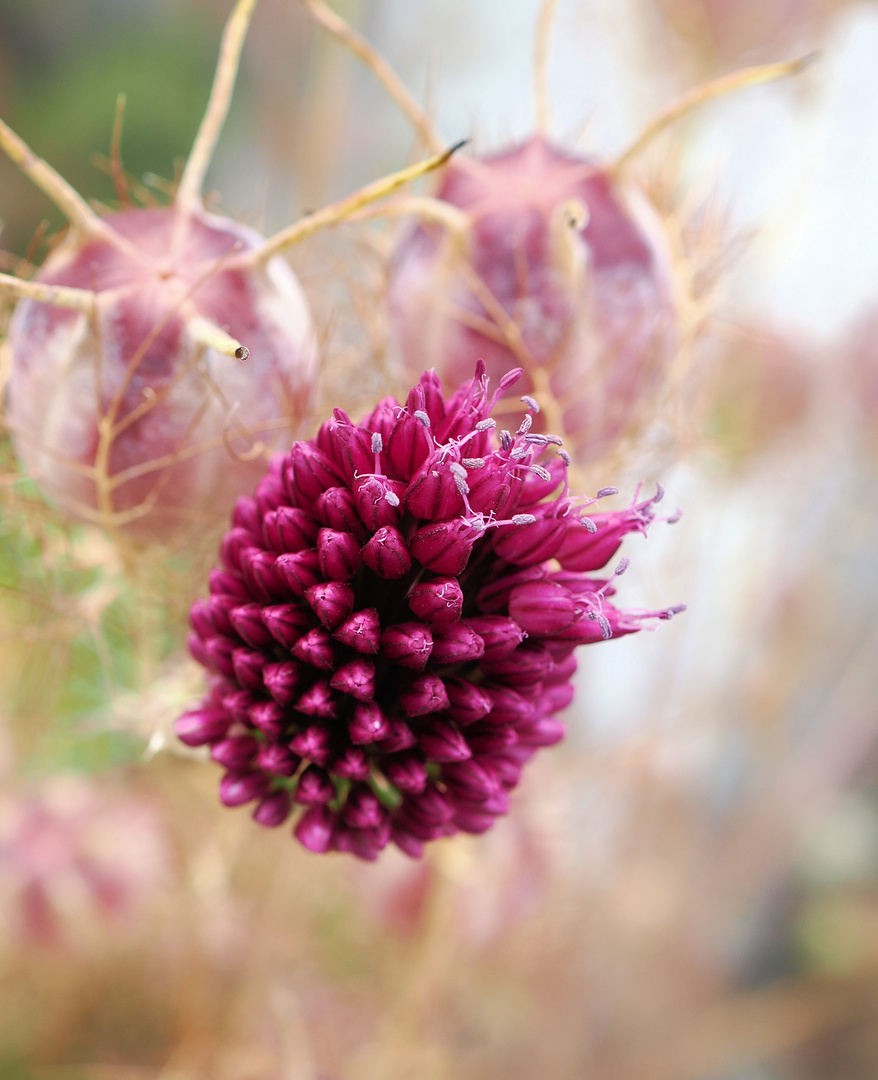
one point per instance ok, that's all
(687, 889)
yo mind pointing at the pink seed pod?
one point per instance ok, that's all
(553, 264)
(128, 402)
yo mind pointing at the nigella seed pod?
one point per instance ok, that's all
(339, 554)
(435, 715)
(575, 246)
(386, 554)
(409, 644)
(437, 601)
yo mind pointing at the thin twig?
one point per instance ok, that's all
(542, 104)
(395, 88)
(725, 84)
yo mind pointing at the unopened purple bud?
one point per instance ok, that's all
(439, 741)
(234, 544)
(425, 694)
(386, 554)
(277, 760)
(238, 705)
(361, 632)
(399, 736)
(352, 764)
(316, 648)
(309, 472)
(378, 501)
(318, 701)
(274, 809)
(248, 666)
(219, 652)
(197, 650)
(406, 841)
(257, 570)
(246, 515)
(332, 602)
(248, 624)
(508, 706)
(473, 819)
(405, 771)
(437, 601)
(237, 788)
(557, 697)
(339, 554)
(269, 494)
(499, 633)
(314, 787)
(286, 623)
(202, 726)
(409, 644)
(314, 829)
(288, 529)
(235, 753)
(268, 717)
(283, 680)
(298, 570)
(444, 546)
(362, 809)
(367, 723)
(430, 806)
(542, 608)
(201, 619)
(485, 739)
(337, 509)
(433, 493)
(455, 643)
(505, 765)
(467, 702)
(356, 678)
(543, 731)
(470, 780)
(525, 666)
(224, 584)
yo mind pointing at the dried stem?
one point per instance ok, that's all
(67, 199)
(542, 104)
(339, 211)
(189, 191)
(395, 88)
(208, 333)
(57, 295)
(117, 173)
(725, 84)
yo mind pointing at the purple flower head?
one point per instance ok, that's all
(391, 638)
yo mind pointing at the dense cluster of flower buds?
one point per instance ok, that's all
(544, 258)
(391, 634)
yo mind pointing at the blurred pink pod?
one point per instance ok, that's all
(551, 263)
(123, 414)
